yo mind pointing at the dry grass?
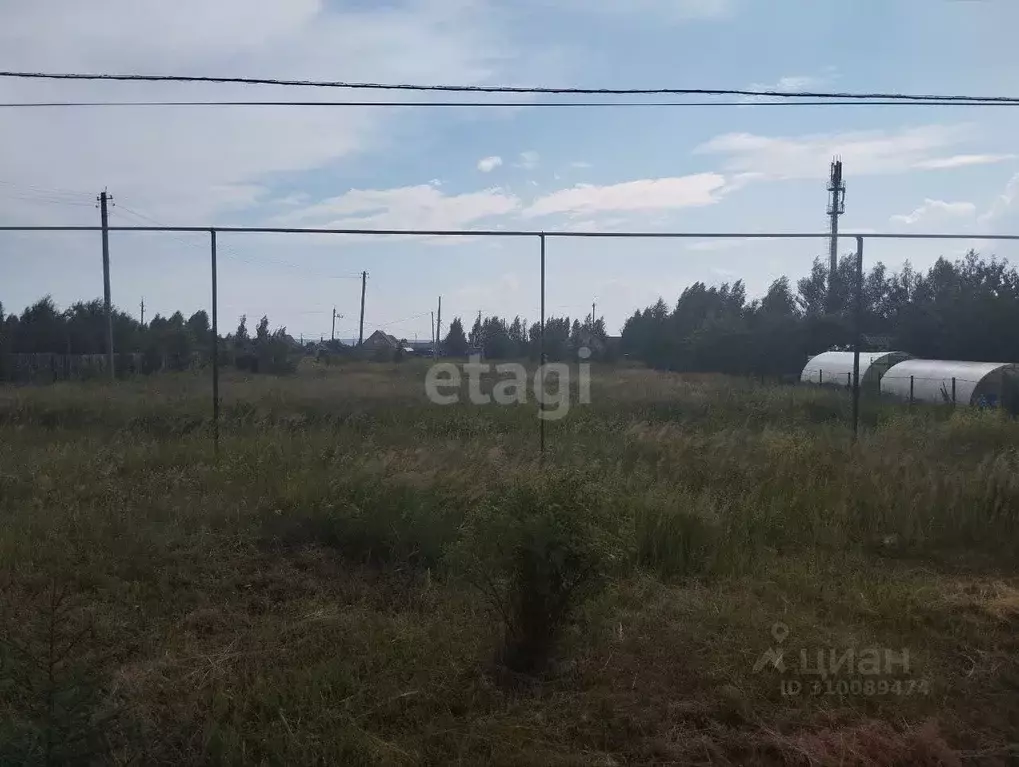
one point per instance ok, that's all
(298, 601)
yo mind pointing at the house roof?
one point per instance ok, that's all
(378, 335)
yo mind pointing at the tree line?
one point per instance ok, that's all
(966, 309)
(497, 338)
(173, 342)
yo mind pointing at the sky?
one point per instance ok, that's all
(745, 168)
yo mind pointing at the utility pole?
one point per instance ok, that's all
(836, 207)
(593, 304)
(104, 218)
(335, 316)
(143, 310)
(433, 334)
(438, 328)
(360, 334)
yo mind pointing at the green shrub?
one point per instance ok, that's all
(536, 553)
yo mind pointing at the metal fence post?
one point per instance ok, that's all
(541, 348)
(820, 377)
(953, 390)
(215, 349)
(857, 333)
(911, 390)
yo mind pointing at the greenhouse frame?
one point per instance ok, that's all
(987, 384)
(836, 368)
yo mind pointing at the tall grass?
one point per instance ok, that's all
(335, 586)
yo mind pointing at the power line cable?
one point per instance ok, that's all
(505, 104)
(43, 199)
(30, 193)
(502, 88)
(398, 322)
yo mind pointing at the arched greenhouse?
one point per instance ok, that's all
(965, 383)
(836, 368)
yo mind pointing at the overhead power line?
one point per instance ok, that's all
(502, 104)
(506, 88)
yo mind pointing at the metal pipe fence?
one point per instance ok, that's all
(541, 237)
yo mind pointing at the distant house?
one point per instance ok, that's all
(379, 341)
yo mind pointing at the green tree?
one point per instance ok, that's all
(495, 337)
(262, 331)
(41, 329)
(198, 324)
(476, 338)
(779, 301)
(241, 335)
(455, 344)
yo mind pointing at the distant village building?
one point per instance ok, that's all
(379, 341)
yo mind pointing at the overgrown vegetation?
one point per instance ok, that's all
(956, 311)
(365, 578)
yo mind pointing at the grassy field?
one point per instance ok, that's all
(363, 577)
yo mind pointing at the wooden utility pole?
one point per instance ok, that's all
(143, 310)
(215, 343)
(438, 328)
(335, 315)
(360, 333)
(104, 218)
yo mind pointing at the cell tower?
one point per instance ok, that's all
(836, 207)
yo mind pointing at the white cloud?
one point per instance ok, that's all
(488, 164)
(963, 160)
(580, 164)
(409, 207)
(601, 224)
(798, 82)
(864, 152)
(718, 244)
(1002, 202)
(790, 83)
(936, 209)
(528, 160)
(643, 194)
(674, 11)
(291, 200)
(171, 162)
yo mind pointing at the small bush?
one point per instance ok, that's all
(53, 683)
(536, 553)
